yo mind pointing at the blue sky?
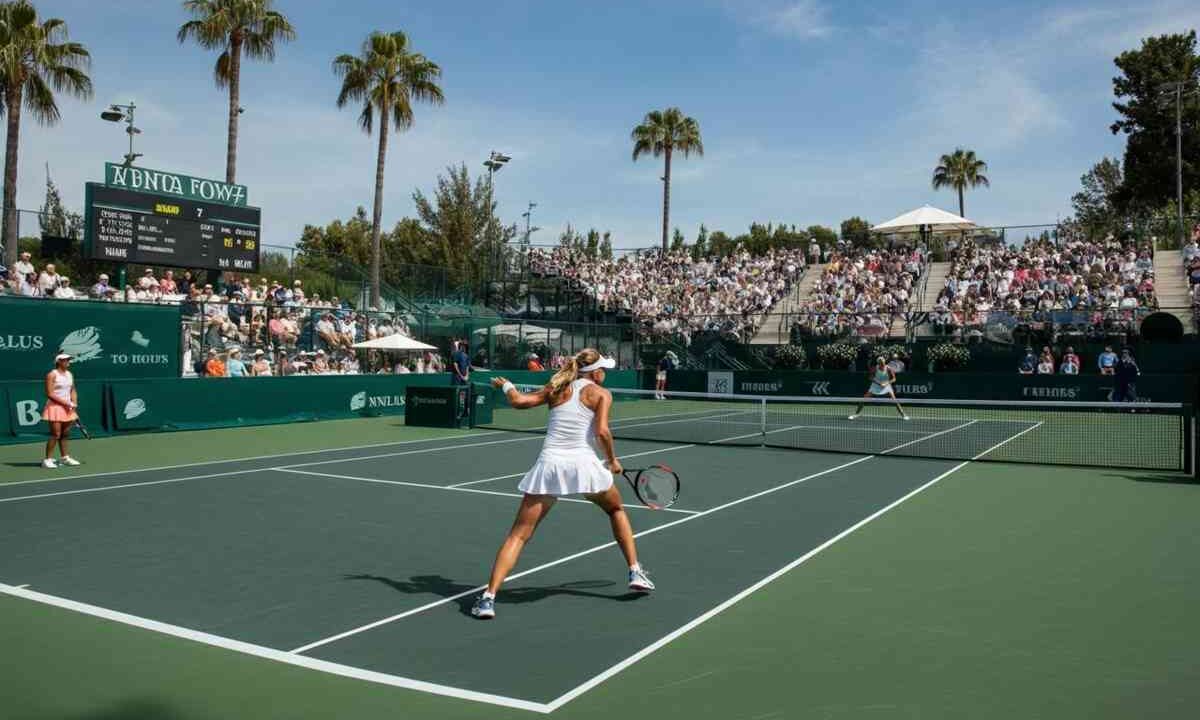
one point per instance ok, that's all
(811, 110)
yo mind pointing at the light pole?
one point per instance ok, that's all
(1177, 89)
(495, 161)
(528, 214)
(124, 113)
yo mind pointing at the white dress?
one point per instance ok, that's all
(569, 463)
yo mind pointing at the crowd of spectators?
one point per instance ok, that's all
(674, 294)
(861, 291)
(1191, 268)
(1106, 285)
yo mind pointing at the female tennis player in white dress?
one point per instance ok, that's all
(882, 379)
(569, 464)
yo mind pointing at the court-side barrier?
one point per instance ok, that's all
(21, 420)
(122, 406)
(945, 386)
(108, 340)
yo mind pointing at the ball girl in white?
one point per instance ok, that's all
(577, 435)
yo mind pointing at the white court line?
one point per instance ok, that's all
(927, 437)
(22, 587)
(244, 459)
(520, 474)
(710, 614)
(451, 488)
(441, 448)
(568, 558)
(104, 488)
(272, 654)
(122, 486)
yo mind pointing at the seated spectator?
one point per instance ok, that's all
(235, 367)
(167, 285)
(185, 284)
(261, 367)
(23, 266)
(1045, 364)
(30, 287)
(1070, 362)
(327, 331)
(1028, 363)
(534, 364)
(320, 363)
(101, 288)
(48, 281)
(1107, 361)
(64, 291)
(214, 367)
(147, 279)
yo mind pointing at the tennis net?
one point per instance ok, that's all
(1156, 436)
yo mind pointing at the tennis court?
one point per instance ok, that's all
(361, 562)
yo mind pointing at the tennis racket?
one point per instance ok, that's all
(83, 430)
(657, 487)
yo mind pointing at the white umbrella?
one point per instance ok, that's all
(930, 218)
(394, 342)
(524, 332)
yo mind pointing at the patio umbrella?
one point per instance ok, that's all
(393, 342)
(925, 219)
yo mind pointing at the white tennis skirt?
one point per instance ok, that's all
(567, 474)
(877, 389)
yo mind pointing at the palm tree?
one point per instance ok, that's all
(960, 170)
(236, 28)
(665, 133)
(36, 60)
(386, 77)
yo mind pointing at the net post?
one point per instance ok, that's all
(1189, 441)
(762, 422)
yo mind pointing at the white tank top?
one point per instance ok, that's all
(570, 428)
(63, 382)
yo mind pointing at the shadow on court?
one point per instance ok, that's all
(134, 709)
(1165, 478)
(23, 464)
(445, 587)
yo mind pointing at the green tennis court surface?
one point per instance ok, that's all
(322, 582)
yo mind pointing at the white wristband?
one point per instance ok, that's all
(506, 387)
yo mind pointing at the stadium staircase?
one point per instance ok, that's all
(1171, 287)
(776, 329)
(936, 280)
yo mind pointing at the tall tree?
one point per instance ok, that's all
(665, 132)
(37, 60)
(1095, 205)
(856, 231)
(237, 28)
(960, 170)
(456, 221)
(1147, 118)
(54, 218)
(387, 77)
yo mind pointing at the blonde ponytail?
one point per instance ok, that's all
(570, 371)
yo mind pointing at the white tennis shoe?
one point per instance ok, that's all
(68, 460)
(49, 464)
(639, 580)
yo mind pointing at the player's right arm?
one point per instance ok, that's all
(518, 399)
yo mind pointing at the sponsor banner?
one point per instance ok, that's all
(168, 183)
(24, 402)
(944, 386)
(107, 340)
(197, 403)
(720, 383)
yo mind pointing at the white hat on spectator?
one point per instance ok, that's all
(147, 271)
(320, 352)
(103, 276)
(259, 352)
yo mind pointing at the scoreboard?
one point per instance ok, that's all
(126, 226)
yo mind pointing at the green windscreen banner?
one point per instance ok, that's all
(106, 340)
(197, 403)
(24, 402)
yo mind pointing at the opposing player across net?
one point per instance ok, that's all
(1131, 435)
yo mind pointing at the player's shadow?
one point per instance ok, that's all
(447, 588)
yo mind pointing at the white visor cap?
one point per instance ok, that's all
(606, 363)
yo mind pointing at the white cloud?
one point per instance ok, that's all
(801, 19)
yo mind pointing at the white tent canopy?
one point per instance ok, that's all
(931, 218)
(393, 342)
(524, 332)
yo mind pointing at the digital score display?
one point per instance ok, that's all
(125, 226)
